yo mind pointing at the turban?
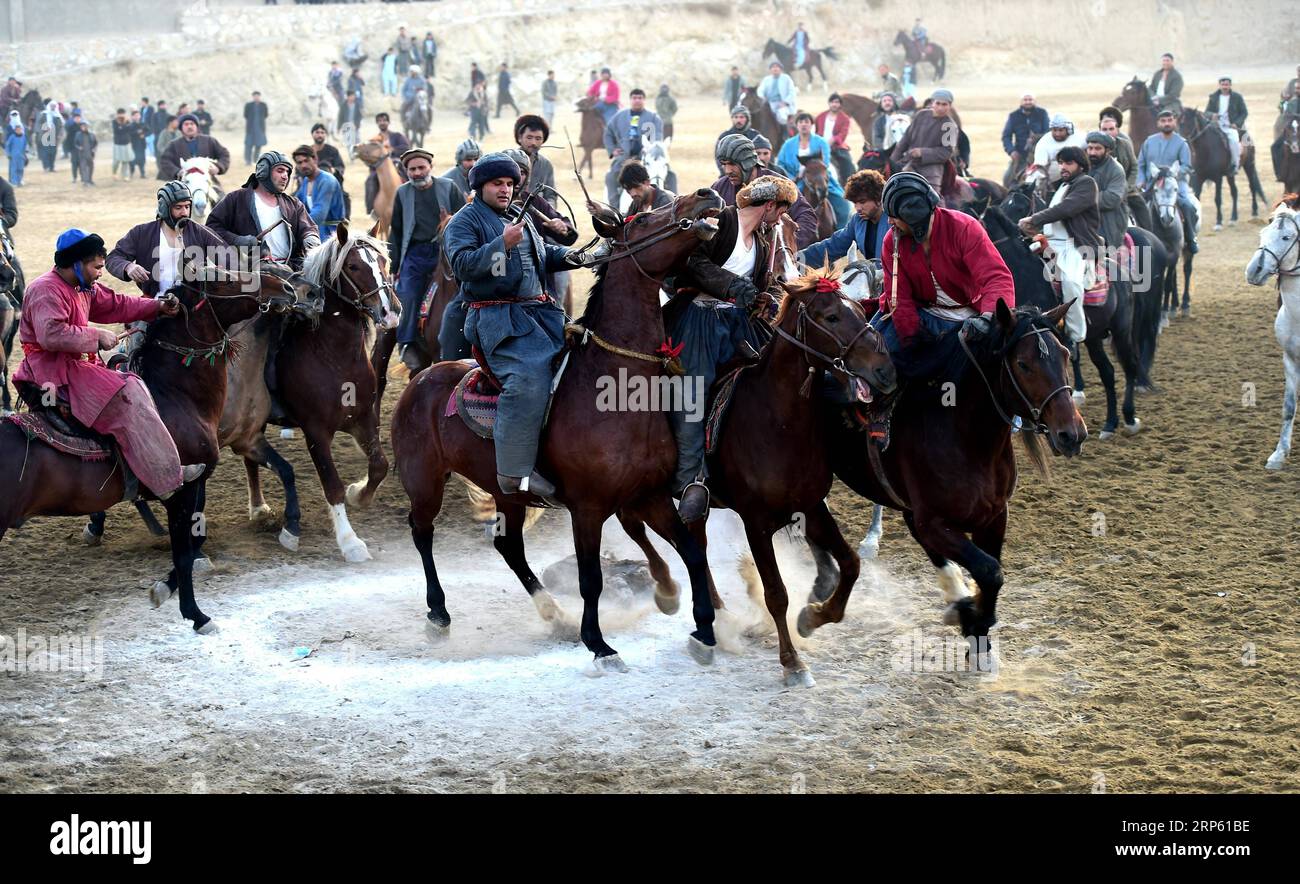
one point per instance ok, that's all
(1060, 121)
(910, 198)
(492, 166)
(941, 95)
(75, 246)
(1101, 138)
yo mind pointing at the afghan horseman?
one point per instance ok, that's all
(930, 141)
(467, 154)
(738, 160)
(261, 215)
(190, 145)
(414, 240)
(513, 322)
(61, 353)
(722, 288)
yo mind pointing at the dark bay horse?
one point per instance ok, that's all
(934, 54)
(763, 120)
(816, 190)
(772, 461)
(1212, 161)
(862, 110)
(13, 283)
(950, 467)
(812, 58)
(1135, 100)
(591, 136)
(1286, 154)
(183, 363)
(626, 472)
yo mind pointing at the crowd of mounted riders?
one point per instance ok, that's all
(489, 235)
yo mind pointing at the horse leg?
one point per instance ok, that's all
(975, 614)
(1097, 352)
(1076, 361)
(1278, 458)
(690, 542)
(869, 548)
(667, 592)
(181, 526)
(1188, 258)
(952, 586)
(426, 503)
(587, 525)
(385, 341)
(318, 445)
(1218, 203)
(93, 533)
(263, 453)
(828, 572)
(774, 592)
(257, 505)
(365, 430)
(825, 533)
(509, 542)
(1232, 189)
(149, 519)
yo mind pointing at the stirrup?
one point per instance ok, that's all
(693, 507)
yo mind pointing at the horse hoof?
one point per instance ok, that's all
(261, 513)
(1218, 227)
(799, 678)
(546, 607)
(90, 538)
(700, 652)
(1276, 462)
(437, 633)
(611, 663)
(202, 565)
(1106, 435)
(288, 540)
(159, 593)
(1132, 429)
(1187, 313)
(868, 549)
(356, 551)
(1079, 398)
(669, 604)
(208, 628)
(804, 624)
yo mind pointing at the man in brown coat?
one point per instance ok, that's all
(191, 144)
(261, 214)
(138, 256)
(930, 141)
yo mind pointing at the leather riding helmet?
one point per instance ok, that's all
(265, 163)
(738, 149)
(468, 150)
(169, 195)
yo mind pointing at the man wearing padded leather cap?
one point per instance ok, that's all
(739, 162)
(261, 215)
(940, 269)
(512, 321)
(467, 154)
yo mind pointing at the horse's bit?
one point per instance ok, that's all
(1035, 413)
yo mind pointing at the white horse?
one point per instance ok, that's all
(894, 129)
(1279, 253)
(654, 156)
(199, 175)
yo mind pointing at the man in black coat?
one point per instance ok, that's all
(1229, 108)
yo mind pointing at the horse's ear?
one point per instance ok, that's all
(341, 232)
(1004, 316)
(1175, 168)
(1153, 170)
(1056, 316)
(374, 230)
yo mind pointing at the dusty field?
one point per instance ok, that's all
(1158, 655)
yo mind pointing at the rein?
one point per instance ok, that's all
(799, 339)
(1295, 268)
(1038, 427)
(212, 349)
(375, 312)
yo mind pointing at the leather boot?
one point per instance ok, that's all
(694, 504)
(533, 484)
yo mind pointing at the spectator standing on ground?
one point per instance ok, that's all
(254, 128)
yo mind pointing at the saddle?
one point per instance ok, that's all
(476, 396)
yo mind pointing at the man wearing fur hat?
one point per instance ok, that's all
(720, 290)
(262, 215)
(62, 350)
(512, 321)
(738, 160)
(191, 144)
(421, 206)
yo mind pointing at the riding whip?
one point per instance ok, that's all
(574, 154)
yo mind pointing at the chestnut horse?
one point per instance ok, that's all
(628, 456)
(591, 137)
(183, 363)
(816, 190)
(934, 54)
(763, 120)
(950, 467)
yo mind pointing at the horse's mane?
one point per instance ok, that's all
(798, 289)
(323, 263)
(1288, 201)
(595, 299)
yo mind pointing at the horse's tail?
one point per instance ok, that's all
(483, 506)
(940, 62)
(829, 52)
(1126, 347)
(1147, 302)
(1252, 177)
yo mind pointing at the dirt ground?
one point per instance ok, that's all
(1147, 642)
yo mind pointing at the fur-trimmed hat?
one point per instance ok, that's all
(75, 246)
(531, 121)
(768, 189)
(492, 166)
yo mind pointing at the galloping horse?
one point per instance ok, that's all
(763, 120)
(1167, 219)
(1212, 161)
(1135, 99)
(950, 468)
(183, 363)
(591, 137)
(627, 473)
(1279, 253)
(812, 58)
(934, 54)
(816, 190)
(417, 118)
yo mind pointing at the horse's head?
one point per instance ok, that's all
(1019, 202)
(657, 242)
(1034, 383)
(1164, 192)
(895, 128)
(1291, 133)
(1134, 94)
(584, 104)
(831, 331)
(351, 266)
(816, 180)
(1279, 244)
(227, 295)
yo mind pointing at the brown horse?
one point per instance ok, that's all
(376, 156)
(862, 110)
(591, 137)
(812, 58)
(934, 54)
(1286, 155)
(183, 363)
(628, 456)
(1135, 100)
(950, 467)
(816, 190)
(772, 461)
(763, 120)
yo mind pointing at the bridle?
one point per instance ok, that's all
(1035, 413)
(210, 350)
(1294, 270)
(629, 249)
(375, 312)
(804, 320)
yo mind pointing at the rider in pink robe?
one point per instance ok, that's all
(62, 350)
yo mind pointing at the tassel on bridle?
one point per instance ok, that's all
(805, 390)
